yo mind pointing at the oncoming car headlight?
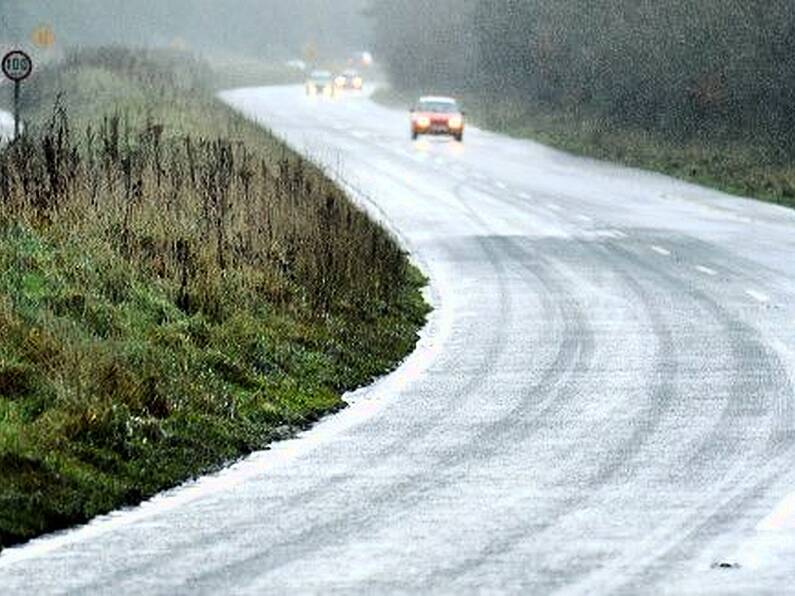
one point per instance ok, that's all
(455, 122)
(423, 121)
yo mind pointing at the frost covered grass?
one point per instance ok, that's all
(177, 289)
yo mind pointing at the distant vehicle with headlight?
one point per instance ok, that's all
(350, 80)
(361, 59)
(320, 83)
(437, 116)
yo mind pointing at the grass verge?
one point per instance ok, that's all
(729, 165)
(177, 289)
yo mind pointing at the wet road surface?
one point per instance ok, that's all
(602, 401)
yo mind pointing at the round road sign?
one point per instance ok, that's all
(17, 65)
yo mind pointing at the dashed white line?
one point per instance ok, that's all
(619, 234)
(609, 234)
(758, 296)
(524, 195)
(585, 218)
(554, 207)
(706, 270)
(501, 185)
(660, 250)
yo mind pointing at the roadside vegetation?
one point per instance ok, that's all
(177, 289)
(703, 91)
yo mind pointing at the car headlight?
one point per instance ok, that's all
(455, 122)
(423, 121)
(358, 83)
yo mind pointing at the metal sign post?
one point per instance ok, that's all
(17, 66)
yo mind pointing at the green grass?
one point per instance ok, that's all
(177, 289)
(730, 165)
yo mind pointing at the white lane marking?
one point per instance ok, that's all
(660, 250)
(758, 296)
(500, 185)
(610, 234)
(706, 270)
(524, 195)
(585, 218)
(554, 207)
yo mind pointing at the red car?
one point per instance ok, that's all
(437, 116)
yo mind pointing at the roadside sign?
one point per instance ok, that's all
(43, 37)
(17, 65)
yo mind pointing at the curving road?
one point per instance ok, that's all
(603, 401)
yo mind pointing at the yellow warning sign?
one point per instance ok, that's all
(43, 37)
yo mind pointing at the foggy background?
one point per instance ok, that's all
(269, 29)
(723, 69)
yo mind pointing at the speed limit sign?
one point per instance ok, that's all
(17, 65)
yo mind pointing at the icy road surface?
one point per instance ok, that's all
(6, 126)
(603, 401)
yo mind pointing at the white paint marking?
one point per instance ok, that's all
(758, 296)
(608, 234)
(554, 207)
(585, 218)
(501, 185)
(706, 270)
(661, 251)
(619, 234)
(524, 195)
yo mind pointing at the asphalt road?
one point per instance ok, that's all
(603, 400)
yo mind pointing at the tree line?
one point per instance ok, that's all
(722, 68)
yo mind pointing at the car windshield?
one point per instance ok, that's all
(438, 107)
